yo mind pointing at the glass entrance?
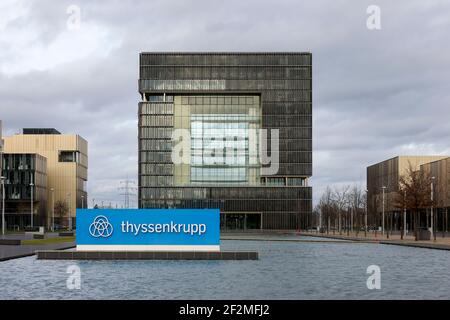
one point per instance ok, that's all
(240, 221)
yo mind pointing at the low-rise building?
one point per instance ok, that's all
(383, 178)
(25, 184)
(66, 167)
(439, 170)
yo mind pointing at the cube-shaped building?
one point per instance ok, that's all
(244, 124)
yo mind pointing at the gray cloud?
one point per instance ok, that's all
(376, 93)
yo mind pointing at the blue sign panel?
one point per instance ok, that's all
(182, 227)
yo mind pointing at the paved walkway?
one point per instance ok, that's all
(441, 243)
(12, 252)
(26, 236)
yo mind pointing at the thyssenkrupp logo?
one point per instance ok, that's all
(101, 227)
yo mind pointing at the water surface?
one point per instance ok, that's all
(286, 270)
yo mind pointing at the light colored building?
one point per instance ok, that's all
(67, 164)
(440, 171)
(386, 174)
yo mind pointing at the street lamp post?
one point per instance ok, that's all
(32, 209)
(351, 219)
(382, 217)
(82, 201)
(3, 203)
(53, 209)
(69, 215)
(432, 213)
(404, 214)
(367, 204)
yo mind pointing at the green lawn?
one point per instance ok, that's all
(48, 241)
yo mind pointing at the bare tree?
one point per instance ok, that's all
(326, 208)
(61, 210)
(340, 197)
(356, 200)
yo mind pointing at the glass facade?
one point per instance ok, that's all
(223, 100)
(25, 174)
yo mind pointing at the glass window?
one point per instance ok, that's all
(68, 156)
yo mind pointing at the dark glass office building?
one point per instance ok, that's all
(25, 180)
(233, 105)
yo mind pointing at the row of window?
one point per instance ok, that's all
(69, 156)
(155, 133)
(155, 108)
(173, 193)
(238, 73)
(220, 112)
(156, 157)
(196, 144)
(284, 220)
(204, 120)
(295, 133)
(24, 177)
(286, 121)
(156, 121)
(241, 59)
(209, 85)
(241, 157)
(282, 181)
(296, 182)
(266, 205)
(290, 156)
(232, 205)
(155, 145)
(267, 121)
(260, 85)
(273, 181)
(222, 100)
(295, 169)
(19, 192)
(245, 193)
(284, 133)
(287, 108)
(214, 176)
(268, 108)
(229, 176)
(156, 169)
(301, 157)
(293, 145)
(146, 85)
(157, 181)
(219, 175)
(287, 95)
(159, 98)
(19, 162)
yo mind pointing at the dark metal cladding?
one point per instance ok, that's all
(40, 131)
(283, 84)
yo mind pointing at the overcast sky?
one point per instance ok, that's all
(376, 93)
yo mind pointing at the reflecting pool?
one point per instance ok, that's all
(286, 270)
